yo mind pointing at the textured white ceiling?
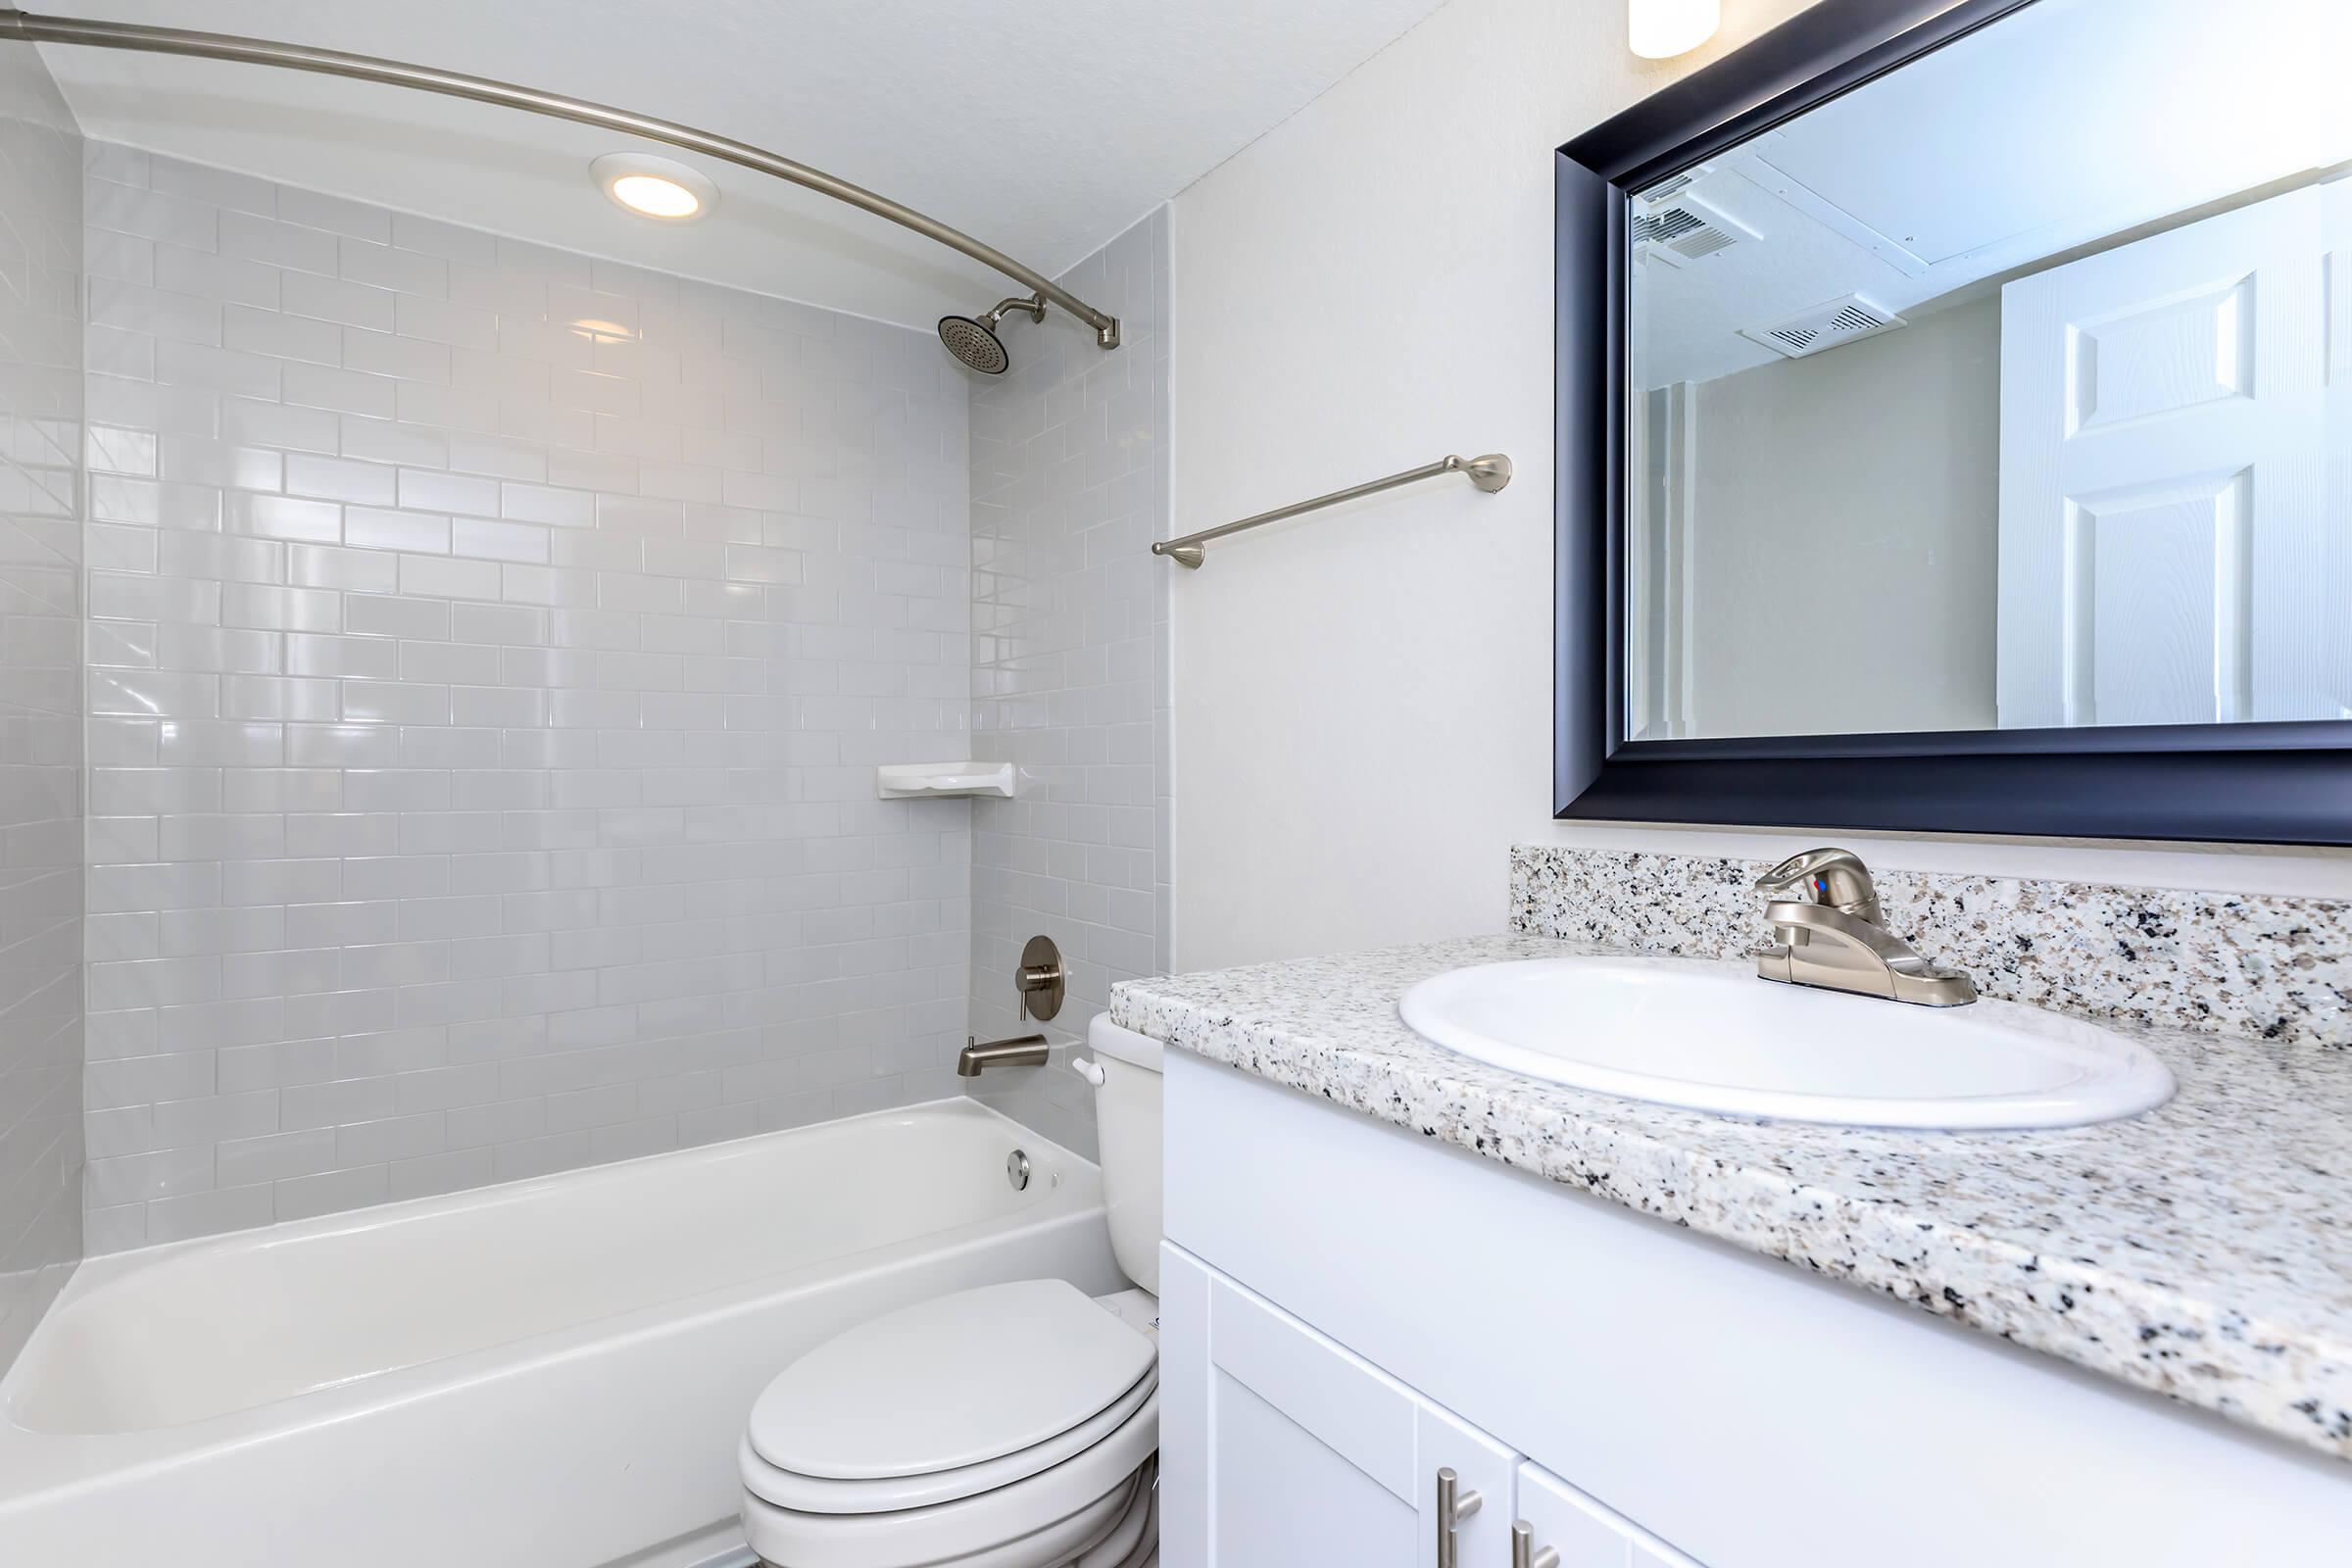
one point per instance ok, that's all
(1042, 127)
(2069, 124)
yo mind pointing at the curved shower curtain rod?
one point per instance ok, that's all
(531, 100)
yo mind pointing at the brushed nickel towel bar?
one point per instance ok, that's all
(1490, 473)
(34, 28)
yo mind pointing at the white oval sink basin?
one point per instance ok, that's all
(1712, 1037)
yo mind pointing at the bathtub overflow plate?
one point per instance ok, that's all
(1016, 1170)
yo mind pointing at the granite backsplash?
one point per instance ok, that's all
(2251, 967)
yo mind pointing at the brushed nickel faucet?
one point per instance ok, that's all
(1019, 1051)
(1827, 932)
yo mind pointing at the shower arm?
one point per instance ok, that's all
(32, 28)
(1033, 304)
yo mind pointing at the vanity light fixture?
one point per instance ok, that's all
(1659, 29)
(656, 187)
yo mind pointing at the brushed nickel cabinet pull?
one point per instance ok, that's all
(1453, 1507)
(1524, 1553)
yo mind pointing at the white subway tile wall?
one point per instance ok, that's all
(490, 649)
(40, 697)
(1070, 667)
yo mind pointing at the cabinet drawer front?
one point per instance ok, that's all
(1310, 1449)
(1358, 1411)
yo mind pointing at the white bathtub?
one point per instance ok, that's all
(552, 1373)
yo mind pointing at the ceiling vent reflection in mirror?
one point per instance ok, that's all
(1688, 227)
(1820, 328)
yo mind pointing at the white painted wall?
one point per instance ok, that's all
(1363, 699)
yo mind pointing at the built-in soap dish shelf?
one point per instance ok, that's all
(906, 781)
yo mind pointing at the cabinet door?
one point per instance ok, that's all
(1307, 1454)
(1584, 1534)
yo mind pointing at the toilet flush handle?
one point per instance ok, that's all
(1091, 1071)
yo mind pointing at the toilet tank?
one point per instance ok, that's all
(1127, 1122)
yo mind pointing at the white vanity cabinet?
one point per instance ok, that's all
(1310, 1454)
(1347, 1307)
(1314, 1454)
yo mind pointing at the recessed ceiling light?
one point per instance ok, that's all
(655, 196)
(656, 187)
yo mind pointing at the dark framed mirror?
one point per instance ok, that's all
(1954, 422)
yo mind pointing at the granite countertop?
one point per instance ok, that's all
(2200, 1251)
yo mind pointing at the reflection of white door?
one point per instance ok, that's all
(2162, 538)
(2336, 700)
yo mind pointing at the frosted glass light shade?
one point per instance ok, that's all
(1661, 28)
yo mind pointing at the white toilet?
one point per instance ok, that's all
(1012, 1426)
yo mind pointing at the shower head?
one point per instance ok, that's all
(974, 340)
(975, 345)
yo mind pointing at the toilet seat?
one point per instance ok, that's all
(1046, 1356)
(1090, 1490)
(948, 1399)
(1049, 1517)
(788, 1488)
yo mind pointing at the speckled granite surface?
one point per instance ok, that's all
(2256, 966)
(2203, 1250)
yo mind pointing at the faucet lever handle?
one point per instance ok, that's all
(1828, 875)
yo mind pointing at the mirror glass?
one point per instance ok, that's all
(2010, 390)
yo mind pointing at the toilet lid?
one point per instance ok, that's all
(948, 1383)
